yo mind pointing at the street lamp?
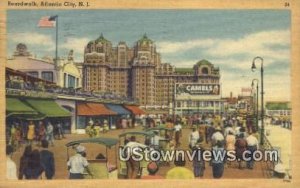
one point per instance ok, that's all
(256, 112)
(262, 95)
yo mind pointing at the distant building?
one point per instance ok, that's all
(64, 74)
(138, 72)
(230, 103)
(278, 108)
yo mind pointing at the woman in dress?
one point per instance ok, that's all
(230, 143)
(30, 133)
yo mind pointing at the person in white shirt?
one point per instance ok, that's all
(77, 163)
(252, 146)
(193, 138)
(155, 140)
(228, 129)
(11, 168)
(217, 136)
(178, 130)
(49, 133)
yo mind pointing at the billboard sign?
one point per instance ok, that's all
(197, 89)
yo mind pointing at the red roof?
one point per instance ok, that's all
(93, 109)
(134, 109)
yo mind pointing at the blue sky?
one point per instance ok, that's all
(229, 39)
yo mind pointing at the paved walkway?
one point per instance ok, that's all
(280, 138)
(231, 171)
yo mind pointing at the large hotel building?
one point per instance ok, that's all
(138, 72)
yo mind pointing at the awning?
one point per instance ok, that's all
(134, 109)
(120, 110)
(16, 107)
(99, 140)
(48, 107)
(93, 109)
(35, 117)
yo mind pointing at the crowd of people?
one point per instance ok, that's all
(208, 132)
(34, 163)
(33, 132)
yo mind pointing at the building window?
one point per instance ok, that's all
(33, 73)
(65, 80)
(71, 81)
(47, 76)
(204, 70)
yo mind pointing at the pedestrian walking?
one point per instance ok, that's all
(178, 133)
(47, 160)
(252, 146)
(193, 138)
(198, 162)
(217, 136)
(49, 133)
(41, 132)
(217, 161)
(30, 132)
(240, 148)
(11, 168)
(34, 169)
(60, 130)
(78, 163)
(24, 161)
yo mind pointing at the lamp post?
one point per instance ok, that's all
(256, 111)
(262, 95)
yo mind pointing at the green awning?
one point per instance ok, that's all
(48, 107)
(34, 117)
(16, 107)
(100, 140)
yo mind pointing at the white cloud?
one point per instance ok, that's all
(173, 47)
(257, 44)
(77, 44)
(33, 39)
(271, 45)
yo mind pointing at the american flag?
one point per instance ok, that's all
(47, 21)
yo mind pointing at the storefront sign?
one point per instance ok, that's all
(198, 89)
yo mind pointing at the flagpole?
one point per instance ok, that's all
(56, 41)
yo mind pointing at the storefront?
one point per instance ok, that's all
(89, 111)
(52, 112)
(136, 113)
(122, 119)
(21, 110)
(196, 98)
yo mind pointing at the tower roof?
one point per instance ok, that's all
(101, 39)
(203, 62)
(145, 39)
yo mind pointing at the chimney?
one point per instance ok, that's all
(231, 95)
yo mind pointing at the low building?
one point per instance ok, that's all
(278, 108)
(65, 73)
